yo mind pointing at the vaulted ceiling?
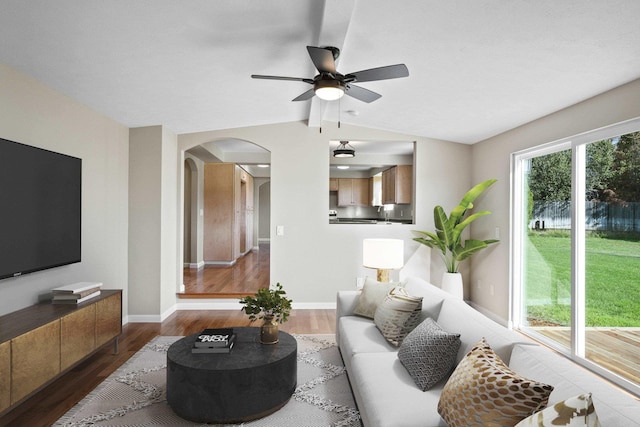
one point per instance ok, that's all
(477, 67)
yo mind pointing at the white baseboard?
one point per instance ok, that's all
(151, 318)
(214, 304)
(144, 318)
(199, 265)
(220, 263)
(234, 304)
(314, 305)
(264, 240)
(208, 304)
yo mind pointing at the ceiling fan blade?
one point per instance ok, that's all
(381, 73)
(361, 93)
(322, 59)
(295, 79)
(307, 95)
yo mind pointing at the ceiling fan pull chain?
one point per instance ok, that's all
(339, 113)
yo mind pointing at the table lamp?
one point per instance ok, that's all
(383, 255)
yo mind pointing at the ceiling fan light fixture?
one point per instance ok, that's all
(329, 90)
(344, 150)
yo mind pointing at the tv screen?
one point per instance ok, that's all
(40, 209)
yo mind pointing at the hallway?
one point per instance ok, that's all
(245, 277)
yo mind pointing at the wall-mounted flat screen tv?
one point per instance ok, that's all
(40, 209)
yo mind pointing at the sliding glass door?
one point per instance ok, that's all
(576, 248)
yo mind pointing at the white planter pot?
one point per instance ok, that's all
(452, 283)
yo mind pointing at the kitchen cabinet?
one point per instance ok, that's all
(353, 192)
(397, 185)
(228, 213)
(333, 184)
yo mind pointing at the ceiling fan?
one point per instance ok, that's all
(330, 85)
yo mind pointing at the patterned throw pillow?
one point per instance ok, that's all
(372, 295)
(483, 391)
(398, 314)
(429, 353)
(577, 411)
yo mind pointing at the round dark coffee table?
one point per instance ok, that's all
(250, 382)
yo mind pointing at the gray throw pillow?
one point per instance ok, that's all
(372, 295)
(398, 314)
(429, 353)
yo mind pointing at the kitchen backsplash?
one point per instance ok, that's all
(399, 212)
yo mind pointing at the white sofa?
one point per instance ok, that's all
(387, 396)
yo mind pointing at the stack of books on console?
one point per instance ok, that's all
(76, 293)
(214, 341)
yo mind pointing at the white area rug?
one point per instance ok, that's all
(134, 395)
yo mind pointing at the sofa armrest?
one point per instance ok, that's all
(345, 306)
(346, 303)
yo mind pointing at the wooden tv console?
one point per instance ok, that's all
(41, 342)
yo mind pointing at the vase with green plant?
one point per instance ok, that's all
(272, 306)
(447, 239)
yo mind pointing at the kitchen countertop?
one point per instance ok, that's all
(368, 221)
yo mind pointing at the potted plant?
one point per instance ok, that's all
(448, 237)
(272, 306)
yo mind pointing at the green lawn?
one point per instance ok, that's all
(612, 280)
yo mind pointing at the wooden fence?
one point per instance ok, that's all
(599, 216)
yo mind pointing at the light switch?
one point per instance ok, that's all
(279, 230)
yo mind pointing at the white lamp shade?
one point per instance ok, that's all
(383, 253)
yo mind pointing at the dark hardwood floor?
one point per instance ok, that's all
(45, 407)
(245, 277)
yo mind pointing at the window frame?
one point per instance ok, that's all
(517, 228)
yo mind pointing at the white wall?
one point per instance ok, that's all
(313, 260)
(491, 159)
(34, 114)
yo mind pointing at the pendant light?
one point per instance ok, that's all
(344, 150)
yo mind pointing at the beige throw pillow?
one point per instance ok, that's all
(398, 314)
(372, 295)
(577, 411)
(483, 391)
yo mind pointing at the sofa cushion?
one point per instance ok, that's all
(387, 396)
(457, 315)
(483, 391)
(398, 314)
(372, 295)
(360, 335)
(429, 353)
(577, 411)
(615, 407)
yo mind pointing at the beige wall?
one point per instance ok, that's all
(34, 114)
(313, 260)
(153, 233)
(491, 159)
